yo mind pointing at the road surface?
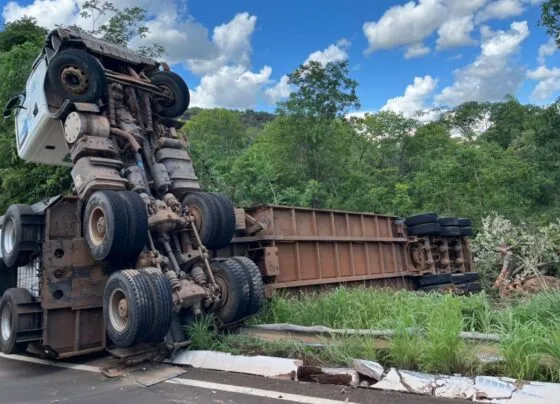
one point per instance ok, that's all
(31, 381)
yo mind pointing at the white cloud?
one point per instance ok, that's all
(414, 99)
(413, 22)
(455, 32)
(231, 87)
(279, 91)
(333, 53)
(546, 50)
(491, 76)
(501, 9)
(234, 38)
(416, 50)
(548, 82)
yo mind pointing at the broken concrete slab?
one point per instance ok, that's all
(338, 376)
(534, 393)
(455, 387)
(416, 382)
(266, 366)
(493, 388)
(370, 369)
(391, 381)
(158, 373)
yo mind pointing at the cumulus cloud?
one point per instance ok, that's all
(546, 50)
(501, 9)
(415, 98)
(413, 22)
(491, 76)
(333, 53)
(455, 32)
(231, 87)
(548, 82)
(279, 91)
(416, 50)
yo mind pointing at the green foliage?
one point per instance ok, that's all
(550, 18)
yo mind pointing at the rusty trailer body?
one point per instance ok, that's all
(304, 249)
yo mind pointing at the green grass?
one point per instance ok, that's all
(530, 330)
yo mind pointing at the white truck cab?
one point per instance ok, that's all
(40, 138)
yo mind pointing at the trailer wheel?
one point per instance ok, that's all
(137, 214)
(214, 218)
(234, 287)
(256, 285)
(426, 229)
(227, 216)
(448, 221)
(451, 231)
(127, 308)
(464, 222)
(421, 218)
(162, 300)
(13, 321)
(106, 226)
(174, 86)
(78, 76)
(466, 231)
(19, 235)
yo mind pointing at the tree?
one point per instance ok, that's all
(21, 31)
(550, 18)
(322, 92)
(119, 26)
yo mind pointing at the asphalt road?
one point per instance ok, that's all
(24, 382)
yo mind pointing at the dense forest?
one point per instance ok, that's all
(475, 159)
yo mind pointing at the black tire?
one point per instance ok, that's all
(431, 279)
(15, 321)
(437, 288)
(426, 229)
(106, 245)
(172, 84)
(466, 231)
(208, 217)
(256, 285)
(227, 220)
(450, 232)
(20, 235)
(448, 221)
(84, 80)
(421, 218)
(466, 277)
(234, 284)
(464, 222)
(132, 286)
(137, 216)
(162, 300)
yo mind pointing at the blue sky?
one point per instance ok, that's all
(406, 56)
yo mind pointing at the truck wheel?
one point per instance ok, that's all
(172, 85)
(20, 235)
(466, 231)
(127, 308)
(464, 222)
(12, 321)
(234, 287)
(421, 218)
(137, 214)
(448, 221)
(227, 216)
(78, 76)
(450, 231)
(214, 218)
(426, 229)
(256, 285)
(162, 300)
(106, 226)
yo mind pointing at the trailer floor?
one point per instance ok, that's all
(29, 380)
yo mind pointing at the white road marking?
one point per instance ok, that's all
(249, 391)
(278, 395)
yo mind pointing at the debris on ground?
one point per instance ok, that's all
(372, 370)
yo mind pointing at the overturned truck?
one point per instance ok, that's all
(125, 259)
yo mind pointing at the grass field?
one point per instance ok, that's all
(530, 331)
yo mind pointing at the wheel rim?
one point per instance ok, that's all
(97, 226)
(9, 236)
(222, 285)
(197, 214)
(118, 310)
(168, 93)
(74, 80)
(6, 322)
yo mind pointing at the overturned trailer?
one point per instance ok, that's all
(308, 249)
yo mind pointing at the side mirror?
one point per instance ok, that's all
(16, 102)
